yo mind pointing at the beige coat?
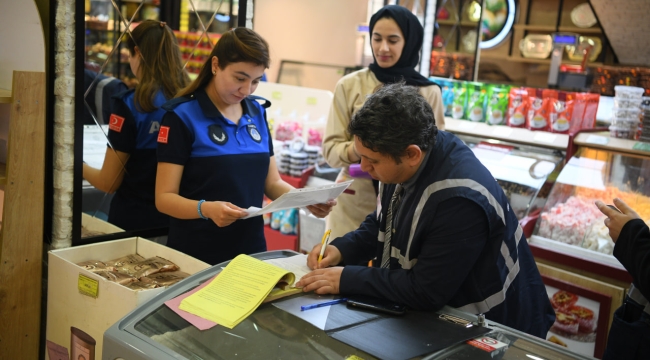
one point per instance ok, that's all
(350, 94)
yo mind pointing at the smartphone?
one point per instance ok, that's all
(376, 304)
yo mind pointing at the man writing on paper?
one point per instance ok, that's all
(451, 237)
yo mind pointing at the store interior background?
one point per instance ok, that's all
(312, 32)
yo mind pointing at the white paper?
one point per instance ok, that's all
(297, 198)
(316, 316)
(94, 147)
(297, 264)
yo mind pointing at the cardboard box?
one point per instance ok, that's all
(67, 307)
(96, 226)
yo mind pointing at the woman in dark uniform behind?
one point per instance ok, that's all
(129, 169)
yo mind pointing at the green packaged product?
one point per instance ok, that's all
(497, 104)
(460, 98)
(476, 95)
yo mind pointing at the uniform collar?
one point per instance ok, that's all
(209, 110)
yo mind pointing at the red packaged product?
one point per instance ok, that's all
(579, 105)
(591, 109)
(517, 107)
(586, 319)
(538, 117)
(561, 113)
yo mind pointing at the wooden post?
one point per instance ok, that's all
(21, 236)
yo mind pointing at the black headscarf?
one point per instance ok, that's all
(413, 37)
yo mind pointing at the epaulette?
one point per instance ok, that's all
(171, 104)
(122, 93)
(266, 104)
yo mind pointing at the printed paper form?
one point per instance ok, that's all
(298, 198)
(236, 292)
(296, 264)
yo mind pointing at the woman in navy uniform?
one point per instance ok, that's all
(129, 168)
(215, 155)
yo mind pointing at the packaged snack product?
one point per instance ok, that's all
(460, 98)
(591, 109)
(117, 277)
(517, 107)
(561, 113)
(476, 95)
(95, 266)
(162, 279)
(538, 112)
(447, 90)
(118, 263)
(497, 104)
(149, 266)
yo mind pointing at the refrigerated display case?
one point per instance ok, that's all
(524, 172)
(571, 226)
(153, 331)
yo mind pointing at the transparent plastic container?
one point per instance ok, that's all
(628, 92)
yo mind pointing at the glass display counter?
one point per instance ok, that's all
(152, 331)
(570, 223)
(525, 173)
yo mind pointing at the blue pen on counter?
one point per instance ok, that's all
(324, 303)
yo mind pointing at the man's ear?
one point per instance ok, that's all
(413, 155)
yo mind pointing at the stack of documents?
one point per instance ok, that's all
(242, 286)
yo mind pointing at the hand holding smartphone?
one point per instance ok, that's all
(376, 304)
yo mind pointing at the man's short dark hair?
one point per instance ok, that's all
(393, 118)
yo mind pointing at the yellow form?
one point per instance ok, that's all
(238, 290)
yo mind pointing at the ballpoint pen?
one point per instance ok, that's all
(324, 241)
(324, 303)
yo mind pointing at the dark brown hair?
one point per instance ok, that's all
(161, 67)
(236, 45)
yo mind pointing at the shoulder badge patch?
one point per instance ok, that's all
(252, 131)
(217, 135)
(116, 123)
(163, 134)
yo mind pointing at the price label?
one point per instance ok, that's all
(88, 286)
(277, 95)
(597, 139)
(641, 146)
(311, 100)
(466, 125)
(502, 131)
(544, 137)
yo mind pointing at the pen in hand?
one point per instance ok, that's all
(324, 303)
(324, 242)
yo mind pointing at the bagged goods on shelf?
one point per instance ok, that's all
(497, 104)
(476, 95)
(447, 91)
(460, 101)
(517, 107)
(561, 113)
(538, 117)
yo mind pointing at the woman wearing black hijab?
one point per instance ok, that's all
(396, 37)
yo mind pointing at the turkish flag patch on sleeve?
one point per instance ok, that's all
(163, 134)
(116, 123)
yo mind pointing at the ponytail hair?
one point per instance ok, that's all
(236, 45)
(161, 67)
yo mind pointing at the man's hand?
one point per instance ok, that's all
(322, 281)
(331, 257)
(322, 210)
(617, 219)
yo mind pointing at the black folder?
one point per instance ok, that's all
(407, 336)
